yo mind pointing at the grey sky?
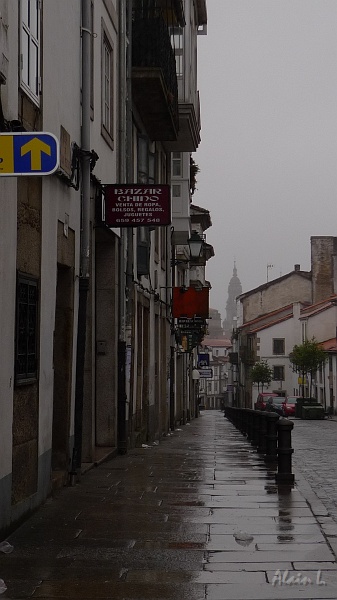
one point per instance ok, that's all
(268, 156)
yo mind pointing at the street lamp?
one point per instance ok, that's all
(195, 244)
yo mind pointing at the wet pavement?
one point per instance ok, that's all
(195, 517)
(315, 452)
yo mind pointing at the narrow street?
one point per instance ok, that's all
(196, 517)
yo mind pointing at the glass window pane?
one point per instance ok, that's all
(25, 57)
(24, 12)
(142, 156)
(151, 168)
(176, 170)
(33, 71)
(33, 22)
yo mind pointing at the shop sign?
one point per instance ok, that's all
(137, 205)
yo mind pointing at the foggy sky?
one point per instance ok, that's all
(268, 155)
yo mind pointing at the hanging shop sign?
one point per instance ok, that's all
(190, 332)
(190, 302)
(195, 324)
(136, 205)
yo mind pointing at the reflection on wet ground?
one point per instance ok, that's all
(196, 517)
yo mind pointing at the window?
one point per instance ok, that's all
(304, 331)
(278, 374)
(177, 43)
(107, 88)
(30, 47)
(176, 191)
(26, 329)
(176, 164)
(278, 346)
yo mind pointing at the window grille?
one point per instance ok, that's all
(26, 329)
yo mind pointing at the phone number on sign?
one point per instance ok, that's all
(137, 220)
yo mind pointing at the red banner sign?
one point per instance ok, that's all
(190, 302)
(135, 205)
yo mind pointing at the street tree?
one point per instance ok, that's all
(261, 374)
(306, 359)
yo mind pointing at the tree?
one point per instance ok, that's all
(194, 170)
(306, 359)
(261, 373)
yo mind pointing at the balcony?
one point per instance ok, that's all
(188, 138)
(154, 79)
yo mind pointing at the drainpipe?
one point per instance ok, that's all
(85, 237)
(130, 231)
(125, 263)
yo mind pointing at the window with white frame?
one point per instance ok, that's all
(30, 48)
(176, 164)
(304, 331)
(107, 87)
(176, 190)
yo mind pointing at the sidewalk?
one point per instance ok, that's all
(196, 517)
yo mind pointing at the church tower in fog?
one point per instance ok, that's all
(234, 290)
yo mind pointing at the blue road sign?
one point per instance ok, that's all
(28, 153)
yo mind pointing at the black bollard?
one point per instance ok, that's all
(284, 469)
(256, 427)
(271, 437)
(262, 432)
(244, 421)
(250, 424)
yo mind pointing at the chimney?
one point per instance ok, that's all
(297, 267)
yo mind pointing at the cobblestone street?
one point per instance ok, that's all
(315, 454)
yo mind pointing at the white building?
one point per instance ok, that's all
(90, 362)
(213, 391)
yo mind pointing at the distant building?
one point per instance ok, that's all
(234, 290)
(215, 329)
(213, 389)
(267, 328)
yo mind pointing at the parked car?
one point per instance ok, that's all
(289, 406)
(275, 404)
(261, 400)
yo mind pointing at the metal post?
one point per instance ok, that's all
(284, 451)
(271, 437)
(85, 237)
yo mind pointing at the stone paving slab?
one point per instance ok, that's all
(162, 524)
(301, 553)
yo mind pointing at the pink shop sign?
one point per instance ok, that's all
(136, 205)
